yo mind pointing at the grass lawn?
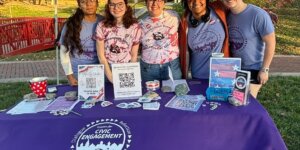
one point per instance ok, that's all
(12, 93)
(20, 9)
(288, 31)
(280, 97)
(49, 54)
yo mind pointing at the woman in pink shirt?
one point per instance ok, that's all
(117, 36)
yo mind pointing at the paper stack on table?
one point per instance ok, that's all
(61, 103)
(151, 106)
(28, 107)
(186, 102)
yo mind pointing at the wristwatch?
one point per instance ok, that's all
(266, 70)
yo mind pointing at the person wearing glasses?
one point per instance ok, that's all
(77, 46)
(252, 38)
(118, 36)
(203, 31)
(160, 49)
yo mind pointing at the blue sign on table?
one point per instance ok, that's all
(223, 72)
(218, 94)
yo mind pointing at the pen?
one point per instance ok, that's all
(76, 113)
(3, 110)
(34, 100)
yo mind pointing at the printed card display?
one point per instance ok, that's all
(28, 107)
(151, 106)
(61, 103)
(186, 102)
(223, 72)
(127, 80)
(241, 87)
(91, 82)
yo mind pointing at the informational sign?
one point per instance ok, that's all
(186, 102)
(127, 80)
(241, 87)
(91, 82)
(223, 72)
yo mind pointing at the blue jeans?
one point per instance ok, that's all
(152, 72)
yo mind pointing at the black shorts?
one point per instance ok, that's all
(253, 78)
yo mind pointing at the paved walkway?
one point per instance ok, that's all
(15, 71)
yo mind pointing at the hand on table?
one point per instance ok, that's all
(72, 80)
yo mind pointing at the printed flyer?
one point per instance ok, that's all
(223, 72)
(186, 102)
(91, 82)
(241, 88)
(127, 80)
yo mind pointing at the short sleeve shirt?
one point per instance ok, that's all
(246, 31)
(118, 41)
(160, 38)
(89, 55)
(203, 40)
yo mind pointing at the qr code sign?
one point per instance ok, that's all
(90, 83)
(126, 80)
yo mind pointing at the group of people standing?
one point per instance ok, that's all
(167, 41)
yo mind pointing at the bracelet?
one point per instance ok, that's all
(266, 70)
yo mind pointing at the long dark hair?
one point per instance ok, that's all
(72, 36)
(128, 18)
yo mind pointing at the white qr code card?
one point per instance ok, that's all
(127, 80)
(91, 82)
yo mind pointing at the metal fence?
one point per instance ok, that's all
(26, 35)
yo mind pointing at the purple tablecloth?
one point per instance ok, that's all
(227, 127)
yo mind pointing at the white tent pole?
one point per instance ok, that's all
(10, 12)
(56, 47)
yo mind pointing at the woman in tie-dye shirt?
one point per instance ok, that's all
(159, 42)
(117, 36)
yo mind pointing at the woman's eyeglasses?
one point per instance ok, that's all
(86, 1)
(117, 5)
(158, 1)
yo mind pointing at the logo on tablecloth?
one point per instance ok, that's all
(106, 134)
